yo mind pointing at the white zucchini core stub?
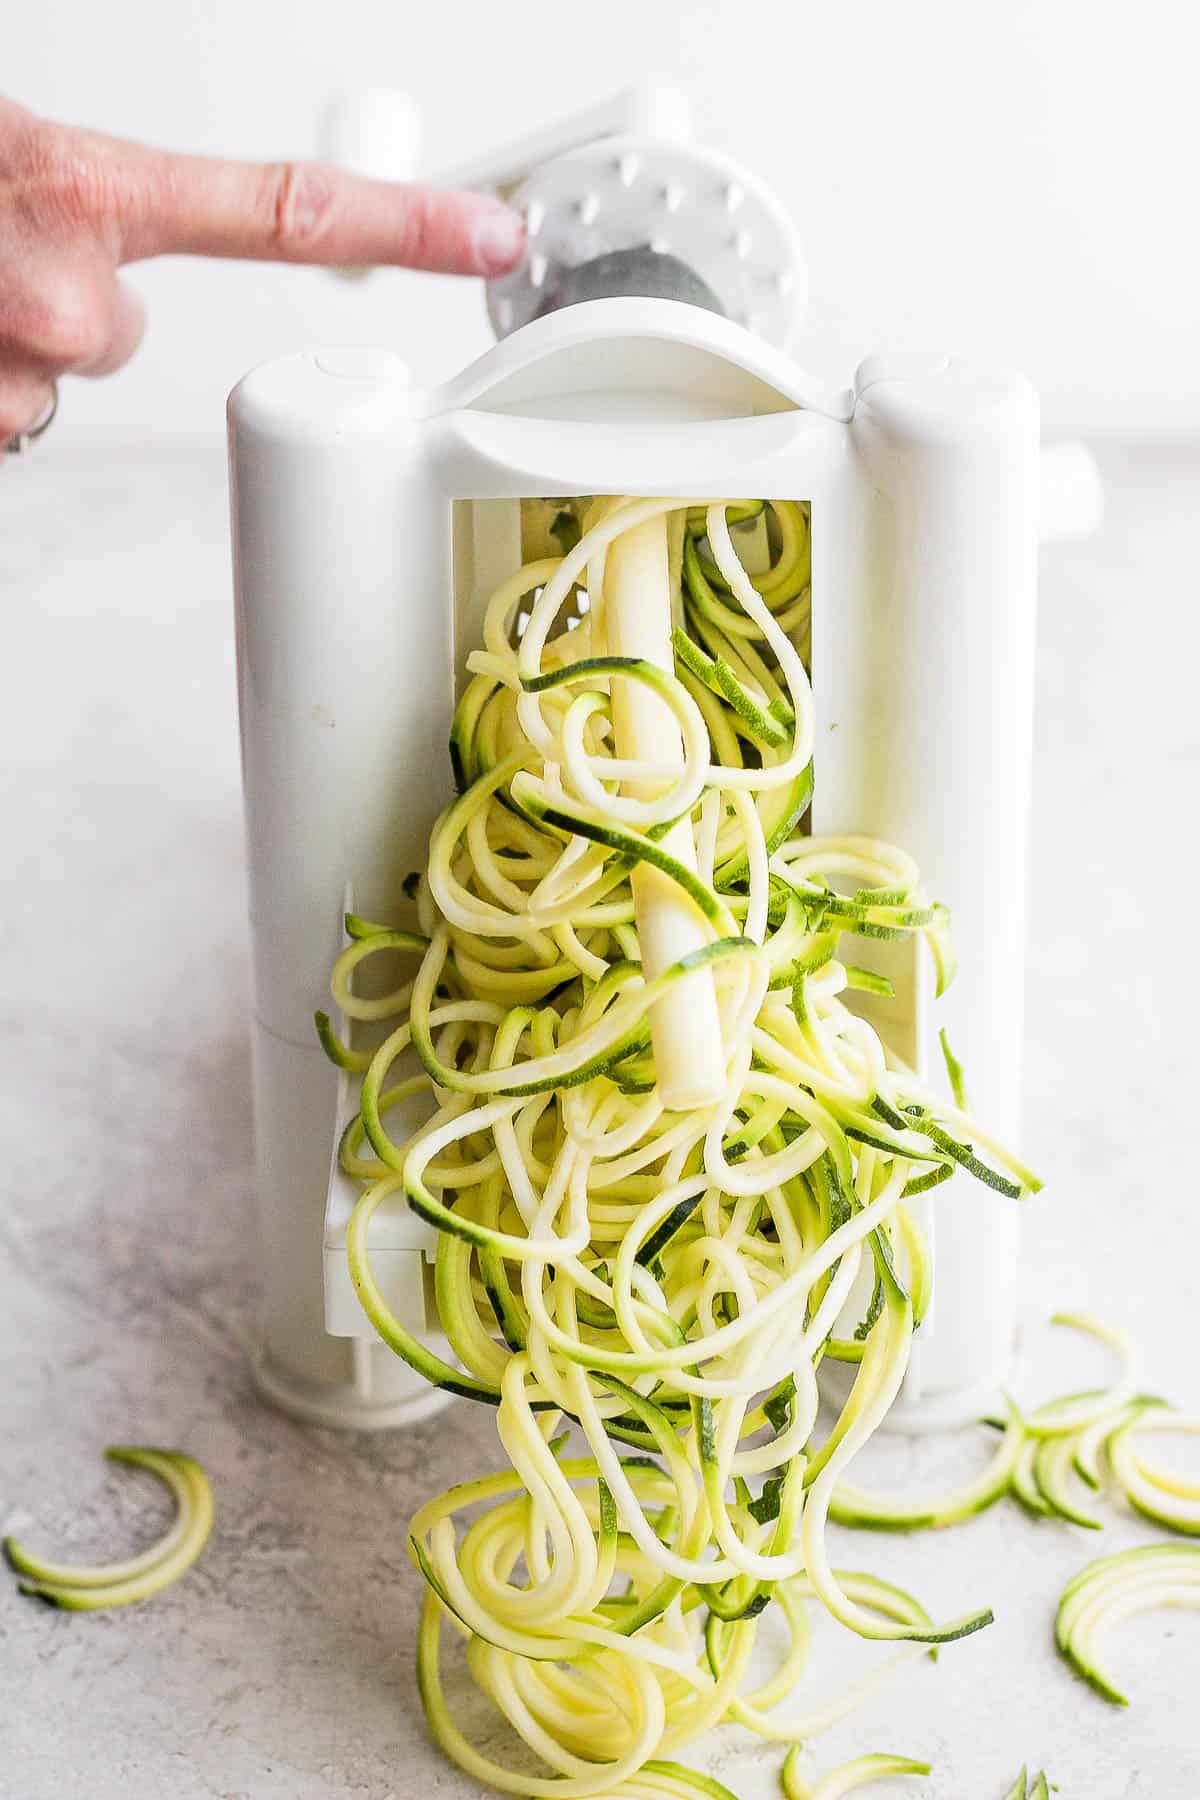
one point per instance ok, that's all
(685, 1024)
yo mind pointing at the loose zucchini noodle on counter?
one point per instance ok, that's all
(666, 1280)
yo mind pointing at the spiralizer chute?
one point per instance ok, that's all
(640, 355)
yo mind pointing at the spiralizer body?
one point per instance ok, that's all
(372, 518)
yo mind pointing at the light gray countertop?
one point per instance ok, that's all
(282, 1667)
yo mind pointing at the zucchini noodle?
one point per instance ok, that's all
(95, 1587)
(1024, 1789)
(666, 1281)
(1113, 1588)
(844, 1780)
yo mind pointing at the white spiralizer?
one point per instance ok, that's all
(371, 518)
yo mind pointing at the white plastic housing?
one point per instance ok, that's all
(359, 584)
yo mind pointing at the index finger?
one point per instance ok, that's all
(307, 213)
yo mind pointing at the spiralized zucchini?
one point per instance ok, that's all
(1114, 1588)
(1160, 1493)
(81, 1587)
(848, 1777)
(1023, 1789)
(667, 1281)
(1034, 1458)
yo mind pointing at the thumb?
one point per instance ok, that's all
(301, 212)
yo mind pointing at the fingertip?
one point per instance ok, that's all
(497, 240)
(446, 230)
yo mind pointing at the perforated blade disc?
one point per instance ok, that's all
(654, 219)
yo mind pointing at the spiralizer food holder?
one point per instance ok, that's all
(373, 517)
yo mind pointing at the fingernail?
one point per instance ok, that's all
(498, 238)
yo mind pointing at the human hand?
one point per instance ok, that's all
(75, 205)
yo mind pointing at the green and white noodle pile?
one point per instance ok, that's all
(666, 1280)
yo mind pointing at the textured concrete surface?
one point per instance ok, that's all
(282, 1667)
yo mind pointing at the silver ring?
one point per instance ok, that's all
(23, 439)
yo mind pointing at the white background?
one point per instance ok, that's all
(1016, 181)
